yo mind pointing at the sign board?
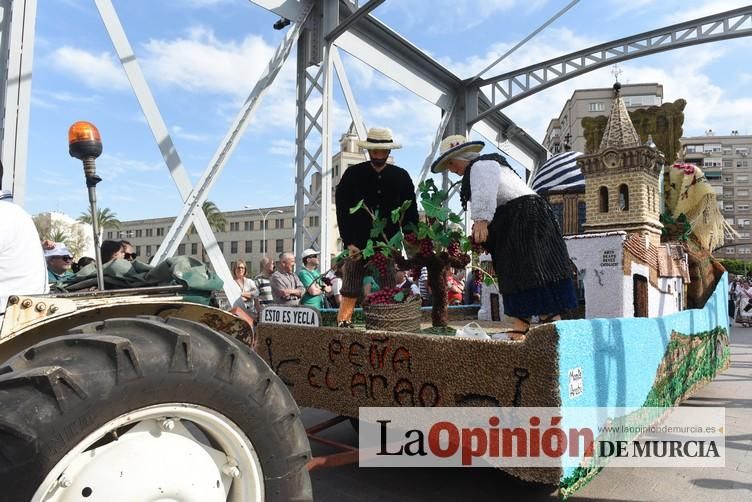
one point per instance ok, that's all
(575, 383)
(290, 315)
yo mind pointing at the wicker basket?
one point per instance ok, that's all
(394, 316)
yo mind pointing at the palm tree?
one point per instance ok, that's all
(105, 219)
(216, 219)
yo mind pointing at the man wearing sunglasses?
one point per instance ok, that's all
(59, 262)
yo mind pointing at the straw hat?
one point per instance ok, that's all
(379, 138)
(450, 147)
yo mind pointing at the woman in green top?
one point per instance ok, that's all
(369, 285)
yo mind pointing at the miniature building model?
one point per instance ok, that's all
(623, 267)
(623, 179)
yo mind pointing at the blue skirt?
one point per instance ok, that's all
(549, 299)
(545, 300)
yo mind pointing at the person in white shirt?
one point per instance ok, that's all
(404, 283)
(22, 266)
(518, 228)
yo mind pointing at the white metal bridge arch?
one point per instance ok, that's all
(320, 28)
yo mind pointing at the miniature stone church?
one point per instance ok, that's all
(623, 270)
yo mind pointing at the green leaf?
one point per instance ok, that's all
(399, 297)
(411, 227)
(488, 280)
(455, 218)
(357, 207)
(465, 245)
(379, 224)
(423, 230)
(396, 241)
(368, 251)
(406, 205)
(396, 215)
(444, 240)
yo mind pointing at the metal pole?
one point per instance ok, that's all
(91, 184)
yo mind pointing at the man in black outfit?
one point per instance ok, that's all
(383, 187)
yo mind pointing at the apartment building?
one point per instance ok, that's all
(567, 127)
(249, 233)
(727, 164)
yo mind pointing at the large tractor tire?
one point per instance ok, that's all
(147, 409)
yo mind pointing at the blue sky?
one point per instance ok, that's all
(202, 57)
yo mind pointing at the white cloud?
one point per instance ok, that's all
(705, 8)
(113, 165)
(282, 147)
(200, 62)
(181, 133)
(449, 16)
(97, 71)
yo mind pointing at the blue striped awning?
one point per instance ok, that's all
(560, 172)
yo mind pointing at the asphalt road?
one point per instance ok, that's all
(732, 389)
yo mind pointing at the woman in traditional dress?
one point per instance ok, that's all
(518, 228)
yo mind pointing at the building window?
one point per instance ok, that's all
(148, 251)
(558, 209)
(742, 193)
(624, 198)
(109, 235)
(233, 247)
(194, 248)
(693, 148)
(248, 225)
(728, 163)
(138, 233)
(138, 250)
(742, 179)
(336, 170)
(742, 207)
(581, 217)
(235, 226)
(712, 162)
(728, 179)
(279, 245)
(712, 147)
(279, 223)
(313, 221)
(266, 224)
(730, 250)
(728, 208)
(181, 249)
(160, 231)
(221, 246)
(149, 232)
(249, 246)
(597, 107)
(603, 199)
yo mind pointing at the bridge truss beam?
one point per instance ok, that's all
(510, 87)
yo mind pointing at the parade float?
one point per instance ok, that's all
(653, 326)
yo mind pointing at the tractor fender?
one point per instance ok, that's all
(32, 319)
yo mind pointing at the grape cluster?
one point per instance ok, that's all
(454, 249)
(382, 296)
(411, 239)
(426, 247)
(378, 260)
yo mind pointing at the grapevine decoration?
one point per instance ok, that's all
(436, 243)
